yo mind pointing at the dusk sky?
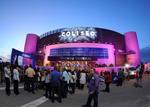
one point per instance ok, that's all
(19, 17)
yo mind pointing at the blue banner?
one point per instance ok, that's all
(15, 53)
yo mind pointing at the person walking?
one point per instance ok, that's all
(16, 80)
(7, 79)
(93, 87)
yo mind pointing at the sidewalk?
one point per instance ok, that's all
(2, 86)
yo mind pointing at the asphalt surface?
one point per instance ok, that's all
(125, 96)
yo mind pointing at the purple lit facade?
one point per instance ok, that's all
(97, 45)
(30, 47)
(132, 46)
(109, 60)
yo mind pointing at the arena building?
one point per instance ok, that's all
(83, 45)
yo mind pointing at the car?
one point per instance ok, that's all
(102, 79)
(132, 72)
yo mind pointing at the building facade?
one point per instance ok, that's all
(88, 45)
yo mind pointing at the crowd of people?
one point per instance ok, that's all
(57, 82)
(122, 75)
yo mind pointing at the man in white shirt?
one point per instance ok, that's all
(16, 80)
(7, 78)
(65, 82)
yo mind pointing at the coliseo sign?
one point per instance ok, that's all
(78, 34)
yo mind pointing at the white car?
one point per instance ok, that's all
(132, 72)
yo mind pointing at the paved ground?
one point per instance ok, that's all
(125, 96)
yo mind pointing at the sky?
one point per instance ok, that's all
(20, 17)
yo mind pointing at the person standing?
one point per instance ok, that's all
(55, 84)
(78, 72)
(120, 77)
(73, 77)
(139, 75)
(7, 79)
(30, 75)
(108, 80)
(36, 78)
(25, 78)
(16, 79)
(65, 82)
(47, 84)
(82, 79)
(93, 86)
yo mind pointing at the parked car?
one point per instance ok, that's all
(132, 72)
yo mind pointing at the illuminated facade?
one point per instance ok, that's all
(83, 44)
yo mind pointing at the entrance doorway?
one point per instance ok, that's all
(79, 65)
